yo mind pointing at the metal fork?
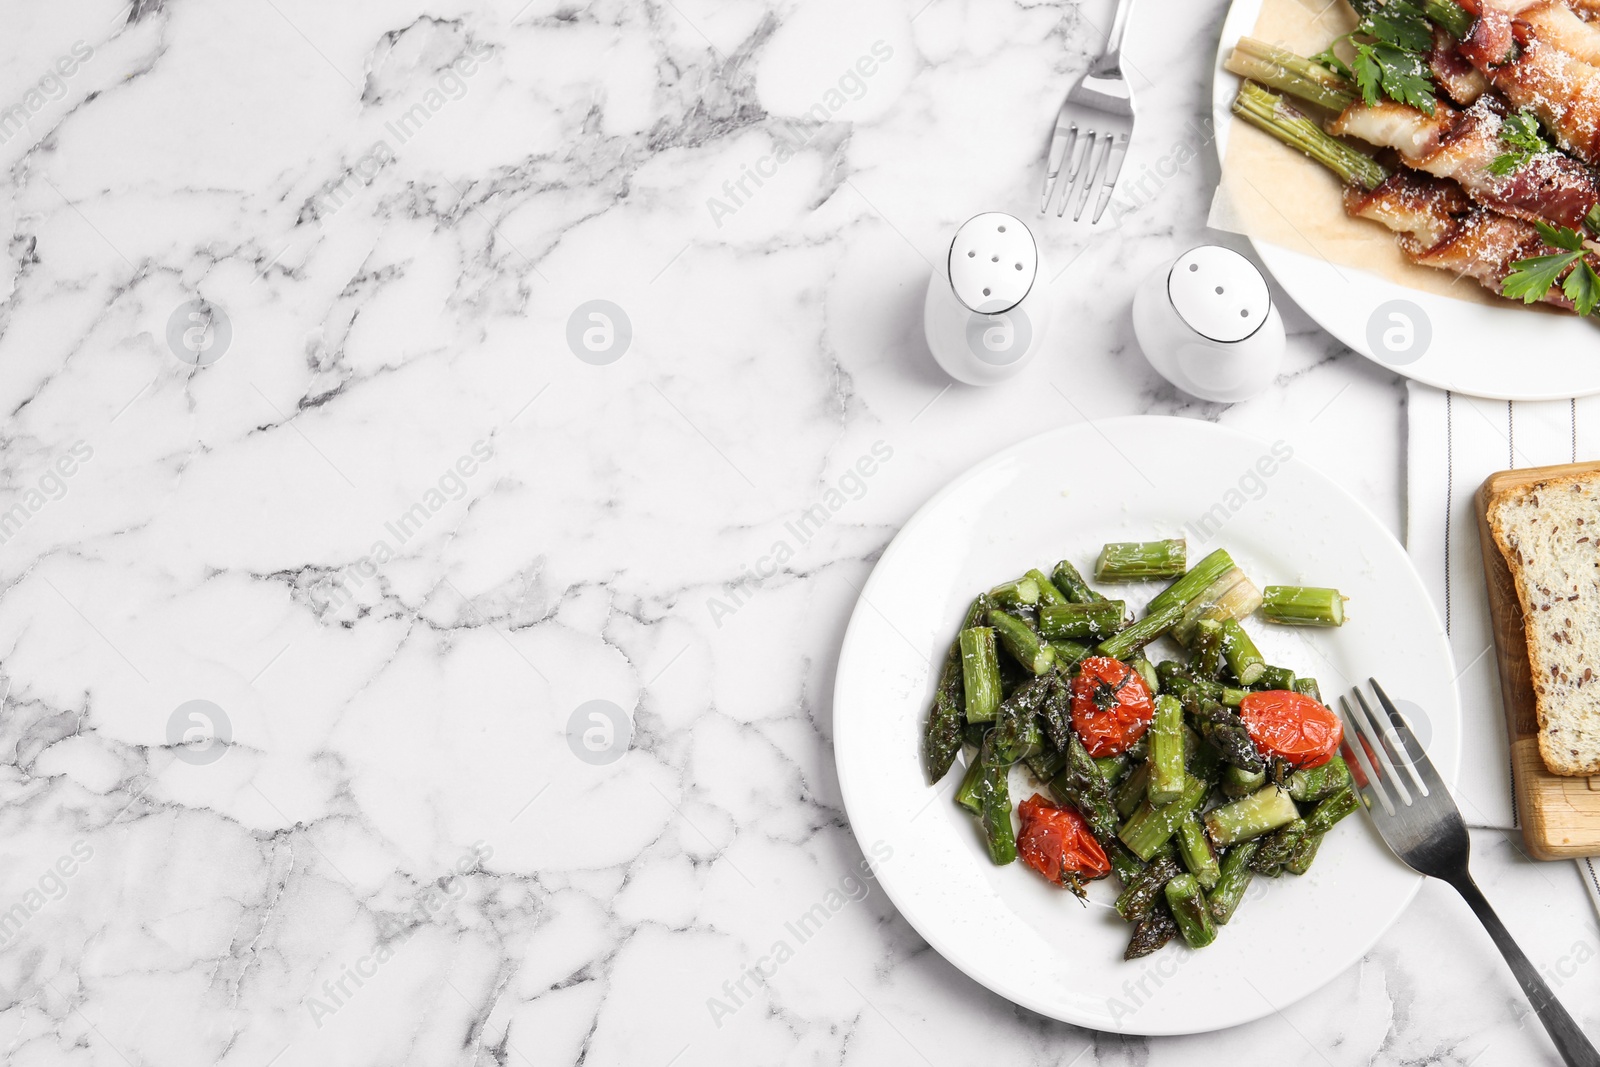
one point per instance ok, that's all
(1093, 129)
(1416, 817)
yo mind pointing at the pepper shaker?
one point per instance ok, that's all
(1208, 325)
(988, 306)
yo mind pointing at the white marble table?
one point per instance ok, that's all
(396, 533)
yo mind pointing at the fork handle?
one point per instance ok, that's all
(1575, 1049)
(1111, 58)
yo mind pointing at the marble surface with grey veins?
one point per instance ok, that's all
(329, 513)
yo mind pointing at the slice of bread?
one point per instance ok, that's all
(1549, 534)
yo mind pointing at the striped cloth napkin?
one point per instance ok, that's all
(1456, 442)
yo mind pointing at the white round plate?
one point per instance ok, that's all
(1062, 495)
(1504, 353)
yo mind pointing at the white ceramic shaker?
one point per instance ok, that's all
(1208, 325)
(988, 306)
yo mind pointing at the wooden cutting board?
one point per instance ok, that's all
(1560, 815)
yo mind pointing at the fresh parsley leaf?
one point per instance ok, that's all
(1406, 78)
(1521, 132)
(1531, 279)
(1592, 220)
(1369, 74)
(1560, 237)
(1401, 25)
(1393, 41)
(1330, 59)
(1582, 287)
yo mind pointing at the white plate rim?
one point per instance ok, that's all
(1565, 365)
(885, 875)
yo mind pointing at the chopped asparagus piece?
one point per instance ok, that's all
(1270, 112)
(1169, 671)
(1244, 658)
(1196, 693)
(1166, 752)
(1071, 583)
(1152, 932)
(1232, 596)
(1069, 654)
(1330, 811)
(1193, 584)
(994, 794)
(980, 673)
(1056, 711)
(1308, 687)
(1130, 794)
(1202, 759)
(1222, 727)
(1280, 69)
(1189, 909)
(1197, 853)
(1124, 863)
(1278, 847)
(1209, 653)
(1031, 651)
(967, 796)
(1238, 782)
(1141, 894)
(1147, 671)
(1304, 852)
(1257, 814)
(1048, 593)
(1235, 879)
(1045, 765)
(1082, 622)
(1318, 783)
(1141, 633)
(1299, 605)
(1016, 734)
(1081, 785)
(1138, 561)
(1020, 593)
(1111, 768)
(1280, 678)
(942, 740)
(1150, 827)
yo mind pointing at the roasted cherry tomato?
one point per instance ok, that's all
(1056, 842)
(1293, 726)
(1111, 706)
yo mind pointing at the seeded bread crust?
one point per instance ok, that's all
(1549, 534)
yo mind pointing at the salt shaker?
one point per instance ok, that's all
(988, 305)
(1208, 325)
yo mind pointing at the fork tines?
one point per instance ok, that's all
(1103, 150)
(1386, 762)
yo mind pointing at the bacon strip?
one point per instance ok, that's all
(1529, 66)
(1439, 226)
(1454, 73)
(1559, 26)
(1462, 145)
(1564, 92)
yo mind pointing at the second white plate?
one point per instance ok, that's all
(1062, 495)
(1505, 353)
